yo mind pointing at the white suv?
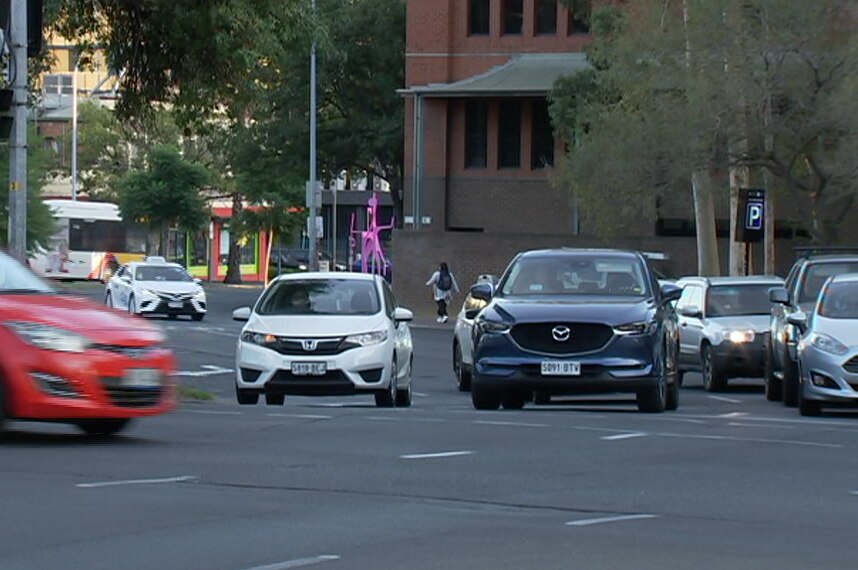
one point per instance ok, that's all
(325, 334)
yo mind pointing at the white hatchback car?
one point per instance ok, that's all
(325, 334)
(156, 287)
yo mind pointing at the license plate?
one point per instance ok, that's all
(560, 368)
(175, 304)
(309, 368)
(142, 378)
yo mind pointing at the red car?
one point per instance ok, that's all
(66, 359)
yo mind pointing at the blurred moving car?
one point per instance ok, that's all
(575, 321)
(799, 294)
(156, 287)
(724, 327)
(291, 259)
(463, 362)
(325, 334)
(827, 347)
(66, 359)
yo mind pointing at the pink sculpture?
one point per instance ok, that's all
(372, 255)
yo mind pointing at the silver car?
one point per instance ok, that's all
(827, 348)
(723, 327)
(463, 360)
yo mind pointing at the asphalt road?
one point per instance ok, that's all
(728, 481)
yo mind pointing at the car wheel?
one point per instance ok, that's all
(387, 397)
(104, 427)
(463, 377)
(672, 397)
(513, 400)
(403, 396)
(198, 316)
(108, 300)
(713, 379)
(790, 384)
(541, 398)
(132, 305)
(484, 398)
(246, 397)
(274, 399)
(653, 400)
(774, 386)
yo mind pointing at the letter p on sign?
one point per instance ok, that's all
(754, 216)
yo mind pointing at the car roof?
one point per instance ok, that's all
(828, 258)
(735, 280)
(153, 264)
(844, 278)
(564, 251)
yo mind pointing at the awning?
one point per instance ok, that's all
(523, 75)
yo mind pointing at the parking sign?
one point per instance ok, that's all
(752, 213)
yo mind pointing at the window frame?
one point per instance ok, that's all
(513, 107)
(478, 160)
(505, 18)
(540, 10)
(472, 9)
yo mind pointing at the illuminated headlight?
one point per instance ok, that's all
(368, 339)
(827, 344)
(635, 328)
(262, 339)
(474, 304)
(48, 337)
(495, 327)
(302, 267)
(738, 337)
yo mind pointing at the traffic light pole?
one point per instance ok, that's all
(312, 190)
(18, 139)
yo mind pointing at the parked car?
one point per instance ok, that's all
(325, 334)
(156, 287)
(724, 327)
(66, 359)
(800, 293)
(292, 259)
(827, 347)
(463, 362)
(575, 321)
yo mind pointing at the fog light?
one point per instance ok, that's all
(54, 385)
(822, 381)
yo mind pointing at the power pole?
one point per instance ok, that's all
(313, 192)
(18, 139)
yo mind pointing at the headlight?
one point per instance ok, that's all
(474, 304)
(827, 344)
(262, 339)
(738, 337)
(635, 328)
(368, 339)
(48, 337)
(200, 295)
(495, 327)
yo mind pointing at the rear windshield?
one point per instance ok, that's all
(816, 275)
(320, 297)
(839, 301)
(736, 300)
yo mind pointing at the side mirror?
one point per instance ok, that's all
(482, 291)
(241, 314)
(401, 314)
(798, 319)
(691, 311)
(779, 295)
(671, 292)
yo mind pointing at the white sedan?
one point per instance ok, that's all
(463, 360)
(325, 334)
(156, 287)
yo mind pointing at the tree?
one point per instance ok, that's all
(166, 194)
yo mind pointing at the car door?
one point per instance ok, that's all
(778, 325)
(120, 287)
(690, 327)
(401, 331)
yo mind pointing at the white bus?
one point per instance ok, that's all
(91, 238)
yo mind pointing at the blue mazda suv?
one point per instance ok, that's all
(575, 322)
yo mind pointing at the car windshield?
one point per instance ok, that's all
(162, 273)
(575, 275)
(15, 278)
(320, 297)
(840, 301)
(738, 300)
(816, 276)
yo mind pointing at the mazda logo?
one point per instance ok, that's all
(310, 345)
(561, 333)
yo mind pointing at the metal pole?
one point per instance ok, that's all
(312, 190)
(74, 132)
(18, 140)
(334, 229)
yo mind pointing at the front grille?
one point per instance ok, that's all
(175, 296)
(583, 337)
(131, 397)
(333, 383)
(320, 346)
(851, 366)
(164, 307)
(129, 351)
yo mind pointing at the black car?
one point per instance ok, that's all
(573, 322)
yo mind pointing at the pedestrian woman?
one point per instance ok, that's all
(443, 287)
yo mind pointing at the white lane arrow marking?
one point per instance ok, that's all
(623, 436)
(298, 563)
(588, 522)
(436, 455)
(136, 482)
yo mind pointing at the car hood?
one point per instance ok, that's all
(756, 323)
(170, 286)
(97, 322)
(316, 325)
(843, 330)
(587, 309)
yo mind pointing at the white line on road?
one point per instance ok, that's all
(420, 394)
(298, 563)
(300, 416)
(210, 412)
(588, 522)
(723, 399)
(623, 436)
(731, 414)
(136, 482)
(210, 370)
(740, 424)
(514, 424)
(751, 440)
(436, 455)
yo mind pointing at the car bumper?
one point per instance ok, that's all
(740, 360)
(360, 369)
(159, 306)
(841, 386)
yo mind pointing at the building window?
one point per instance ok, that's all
(578, 24)
(58, 84)
(542, 139)
(513, 16)
(479, 17)
(476, 133)
(545, 21)
(509, 134)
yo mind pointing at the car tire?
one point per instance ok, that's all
(386, 398)
(513, 400)
(403, 396)
(484, 398)
(463, 376)
(132, 308)
(680, 378)
(198, 316)
(790, 383)
(103, 427)
(713, 379)
(653, 400)
(274, 399)
(541, 398)
(672, 397)
(108, 300)
(246, 397)
(773, 385)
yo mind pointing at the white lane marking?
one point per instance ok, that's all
(723, 399)
(300, 416)
(210, 370)
(751, 440)
(514, 424)
(420, 394)
(436, 455)
(624, 436)
(588, 522)
(740, 424)
(853, 492)
(673, 419)
(210, 412)
(136, 482)
(297, 563)
(731, 414)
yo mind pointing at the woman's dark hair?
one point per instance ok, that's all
(444, 266)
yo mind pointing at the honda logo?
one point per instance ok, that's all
(561, 333)
(310, 345)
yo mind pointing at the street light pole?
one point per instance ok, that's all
(312, 191)
(17, 235)
(74, 131)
